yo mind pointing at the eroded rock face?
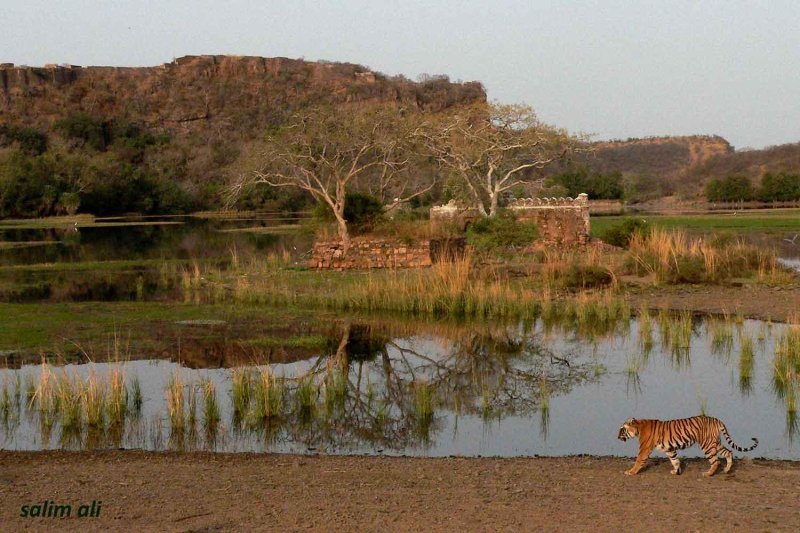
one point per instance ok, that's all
(229, 92)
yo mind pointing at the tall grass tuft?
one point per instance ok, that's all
(117, 405)
(191, 408)
(306, 396)
(335, 390)
(136, 396)
(423, 403)
(211, 412)
(94, 401)
(786, 364)
(269, 392)
(645, 324)
(44, 398)
(69, 400)
(746, 360)
(241, 392)
(721, 333)
(175, 403)
(674, 257)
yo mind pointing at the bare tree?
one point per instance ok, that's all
(493, 148)
(329, 151)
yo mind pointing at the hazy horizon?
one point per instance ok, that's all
(616, 69)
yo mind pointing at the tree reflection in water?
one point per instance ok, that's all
(397, 390)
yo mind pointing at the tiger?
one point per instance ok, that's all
(670, 435)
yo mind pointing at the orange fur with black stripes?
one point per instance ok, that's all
(671, 435)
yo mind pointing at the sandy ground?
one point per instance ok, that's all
(142, 491)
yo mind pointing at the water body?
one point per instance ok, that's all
(494, 389)
(516, 390)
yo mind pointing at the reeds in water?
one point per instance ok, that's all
(136, 396)
(69, 392)
(423, 403)
(786, 364)
(335, 390)
(306, 395)
(117, 397)
(175, 403)
(746, 362)
(645, 324)
(269, 392)
(721, 333)
(241, 392)
(211, 412)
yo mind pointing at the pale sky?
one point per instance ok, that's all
(612, 68)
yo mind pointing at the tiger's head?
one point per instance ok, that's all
(628, 430)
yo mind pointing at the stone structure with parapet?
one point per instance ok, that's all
(561, 221)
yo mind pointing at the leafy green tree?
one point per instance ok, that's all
(780, 187)
(599, 186)
(734, 188)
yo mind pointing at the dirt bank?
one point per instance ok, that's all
(206, 492)
(776, 303)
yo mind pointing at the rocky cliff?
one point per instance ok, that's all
(660, 157)
(209, 92)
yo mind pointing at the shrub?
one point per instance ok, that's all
(620, 234)
(30, 140)
(501, 232)
(362, 211)
(587, 277)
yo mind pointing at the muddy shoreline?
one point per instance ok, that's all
(148, 491)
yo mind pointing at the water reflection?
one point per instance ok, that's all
(421, 388)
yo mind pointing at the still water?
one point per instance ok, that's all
(515, 390)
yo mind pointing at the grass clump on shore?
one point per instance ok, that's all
(674, 257)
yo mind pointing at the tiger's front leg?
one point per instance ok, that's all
(676, 463)
(644, 453)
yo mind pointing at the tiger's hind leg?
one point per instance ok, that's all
(726, 453)
(711, 450)
(676, 463)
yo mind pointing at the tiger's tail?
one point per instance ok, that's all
(733, 444)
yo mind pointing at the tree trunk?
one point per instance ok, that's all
(493, 199)
(344, 234)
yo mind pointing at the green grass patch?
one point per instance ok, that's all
(775, 221)
(64, 327)
(300, 341)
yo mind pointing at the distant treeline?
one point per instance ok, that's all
(108, 167)
(777, 187)
(604, 185)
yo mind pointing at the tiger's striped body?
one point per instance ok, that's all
(671, 435)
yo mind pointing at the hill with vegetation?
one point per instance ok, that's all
(165, 139)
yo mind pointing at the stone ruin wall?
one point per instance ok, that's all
(368, 252)
(561, 221)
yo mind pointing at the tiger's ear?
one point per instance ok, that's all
(630, 421)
